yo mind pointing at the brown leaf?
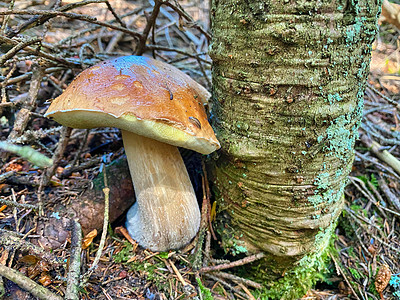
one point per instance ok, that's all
(14, 167)
(88, 239)
(29, 260)
(45, 279)
(372, 249)
(382, 278)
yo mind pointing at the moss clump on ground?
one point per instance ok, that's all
(308, 271)
(296, 282)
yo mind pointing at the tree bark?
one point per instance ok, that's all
(289, 78)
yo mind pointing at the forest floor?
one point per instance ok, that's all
(42, 51)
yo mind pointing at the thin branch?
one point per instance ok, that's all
(86, 18)
(106, 191)
(241, 262)
(11, 42)
(11, 239)
(229, 286)
(150, 23)
(232, 277)
(394, 103)
(388, 193)
(27, 284)
(195, 56)
(383, 155)
(188, 18)
(38, 20)
(14, 50)
(72, 291)
(16, 204)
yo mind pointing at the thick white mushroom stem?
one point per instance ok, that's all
(166, 214)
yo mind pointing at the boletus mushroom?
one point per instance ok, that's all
(157, 107)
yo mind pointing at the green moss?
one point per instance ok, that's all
(355, 273)
(309, 270)
(125, 254)
(205, 292)
(150, 269)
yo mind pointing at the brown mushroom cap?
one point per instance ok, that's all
(140, 95)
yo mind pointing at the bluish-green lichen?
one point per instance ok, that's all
(340, 138)
(324, 193)
(333, 98)
(330, 196)
(322, 181)
(353, 32)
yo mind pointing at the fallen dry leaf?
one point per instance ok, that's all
(45, 279)
(3, 208)
(88, 239)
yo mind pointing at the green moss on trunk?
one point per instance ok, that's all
(289, 79)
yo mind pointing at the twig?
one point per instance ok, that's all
(187, 17)
(82, 144)
(38, 20)
(224, 283)
(380, 166)
(23, 115)
(4, 24)
(177, 273)
(14, 50)
(383, 155)
(360, 185)
(232, 277)
(116, 38)
(64, 43)
(72, 291)
(195, 56)
(246, 290)
(207, 248)
(389, 195)
(16, 204)
(85, 165)
(2, 289)
(209, 84)
(394, 103)
(339, 269)
(30, 136)
(4, 176)
(27, 284)
(27, 75)
(240, 262)
(38, 52)
(106, 191)
(370, 129)
(11, 239)
(49, 172)
(86, 18)
(141, 48)
(117, 18)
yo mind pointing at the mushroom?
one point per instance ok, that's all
(157, 107)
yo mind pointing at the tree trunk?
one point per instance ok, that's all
(289, 79)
